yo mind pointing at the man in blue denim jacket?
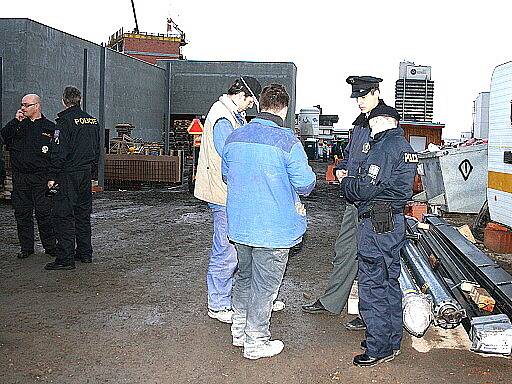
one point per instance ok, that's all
(265, 168)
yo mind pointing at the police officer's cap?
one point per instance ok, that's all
(384, 110)
(361, 85)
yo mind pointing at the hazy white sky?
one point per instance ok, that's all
(328, 40)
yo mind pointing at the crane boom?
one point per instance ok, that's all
(136, 30)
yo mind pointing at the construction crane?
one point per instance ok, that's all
(136, 30)
(171, 24)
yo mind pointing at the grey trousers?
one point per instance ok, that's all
(256, 284)
(344, 263)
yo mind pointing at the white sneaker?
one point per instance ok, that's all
(278, 306)
(239, 341)
(269, 349)
(224, 315)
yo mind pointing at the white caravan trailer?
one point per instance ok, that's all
(499, 181)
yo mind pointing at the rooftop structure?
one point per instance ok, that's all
(150, 46)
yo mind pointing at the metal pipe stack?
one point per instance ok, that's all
(447, 311)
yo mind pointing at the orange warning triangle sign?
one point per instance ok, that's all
(195, 127)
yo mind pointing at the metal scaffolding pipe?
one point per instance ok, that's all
(447, 311)
(417, 307)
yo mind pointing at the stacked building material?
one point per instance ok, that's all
(134, 171)
(154, 148)
(482, 268)
(447, 311)
(465, 285)
(179, 139)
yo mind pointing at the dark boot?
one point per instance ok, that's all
(56, 265)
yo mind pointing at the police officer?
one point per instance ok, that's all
(365, 89)
(380, 191)
(27, 138)
(75, 152)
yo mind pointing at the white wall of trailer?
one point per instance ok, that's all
(500, 140)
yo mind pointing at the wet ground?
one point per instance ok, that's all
(137, 314)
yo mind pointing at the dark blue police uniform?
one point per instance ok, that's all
(75, 152)
(380, 191)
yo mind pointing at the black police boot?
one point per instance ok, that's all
(86, 259)
(316, 307)
(56, 265)
(356, 325)
(24, 254)
(365, 360)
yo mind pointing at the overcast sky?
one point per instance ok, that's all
(462, 40)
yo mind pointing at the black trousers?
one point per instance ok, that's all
(72, 216)
(28, 195)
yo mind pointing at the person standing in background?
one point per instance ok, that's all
(27, 138)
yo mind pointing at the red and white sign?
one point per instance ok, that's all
(195, 127)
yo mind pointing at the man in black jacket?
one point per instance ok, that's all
(27, 138)
(75, 152)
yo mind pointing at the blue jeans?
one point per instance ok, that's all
(223, 262)
(257, 281)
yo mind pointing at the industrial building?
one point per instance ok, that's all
(156, 100)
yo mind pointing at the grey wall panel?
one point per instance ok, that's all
(135, 93)
(54, 61)
(195, 85)
(13, 42)
(40, 59)
(43, 60)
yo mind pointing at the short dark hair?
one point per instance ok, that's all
(71, 96)
(274, 98)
